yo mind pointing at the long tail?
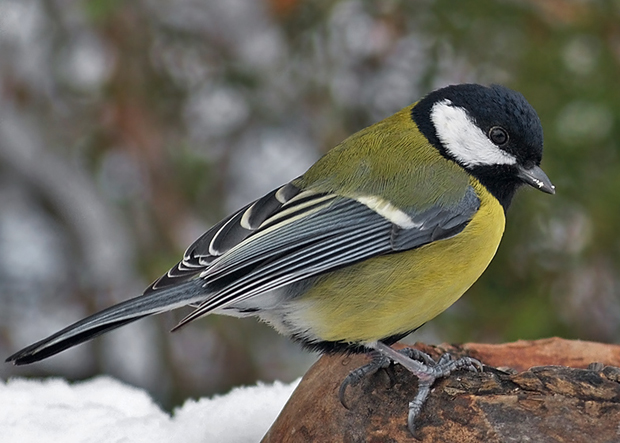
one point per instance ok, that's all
(111, 318)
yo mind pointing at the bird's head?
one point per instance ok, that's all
(492, 132)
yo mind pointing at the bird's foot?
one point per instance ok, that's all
(419, 364)
(378, 362)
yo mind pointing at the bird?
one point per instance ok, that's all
(382, 234)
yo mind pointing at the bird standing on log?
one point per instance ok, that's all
(379, 236)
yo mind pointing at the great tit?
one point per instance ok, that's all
(380, 235)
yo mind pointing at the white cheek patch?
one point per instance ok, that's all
(465, 141)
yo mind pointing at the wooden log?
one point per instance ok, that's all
(542, 392)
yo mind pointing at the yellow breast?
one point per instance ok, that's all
(397, 293)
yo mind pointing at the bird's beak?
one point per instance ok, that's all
(536, 178)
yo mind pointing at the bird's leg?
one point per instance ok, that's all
(427, 371)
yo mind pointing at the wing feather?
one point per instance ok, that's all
(290, 235)
(337, 232)
(323, 255)
(225, 235)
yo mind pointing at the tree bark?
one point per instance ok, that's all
(543, 391)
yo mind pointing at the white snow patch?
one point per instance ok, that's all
(106, 410)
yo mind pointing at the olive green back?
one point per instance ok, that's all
(391, 159)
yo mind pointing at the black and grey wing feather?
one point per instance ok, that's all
(341, 231)
(287, 236)
(223, 236)
(331, 233)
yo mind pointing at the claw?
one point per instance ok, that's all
(341, 394)
(415, 406)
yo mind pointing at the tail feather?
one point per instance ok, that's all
(111, 318)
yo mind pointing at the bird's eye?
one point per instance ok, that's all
(498, 135)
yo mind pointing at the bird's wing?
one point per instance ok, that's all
(286, 236)
(269, 245)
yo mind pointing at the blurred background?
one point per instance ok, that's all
(129, 128)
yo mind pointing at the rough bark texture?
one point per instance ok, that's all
(528, 400)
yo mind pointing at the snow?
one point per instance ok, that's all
(106, 410)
